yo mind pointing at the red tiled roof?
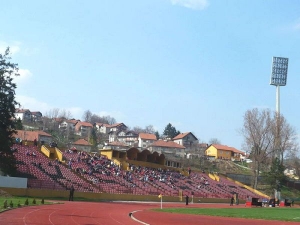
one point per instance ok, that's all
(227, 148)
(85, 124)
(167, 144)
(115, 125)
(43, 133)
(21, 110)
(81, 142)
(102, 124)
(30, 135)
(180, 136)
(147, 136)
(73, 121)
(35, 113)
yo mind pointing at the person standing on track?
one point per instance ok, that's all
(231, 201)
(186, 200)
(71, 193)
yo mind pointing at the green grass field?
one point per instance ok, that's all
(19, 202)
(283, 214)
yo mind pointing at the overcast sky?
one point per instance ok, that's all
(197, 64)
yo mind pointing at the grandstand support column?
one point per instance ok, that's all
(192, 198)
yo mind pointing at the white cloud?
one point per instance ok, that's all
(14, 47)
(32, 104)
(191, 4)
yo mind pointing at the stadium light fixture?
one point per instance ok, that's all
(279, 76)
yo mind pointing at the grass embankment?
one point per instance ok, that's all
(17, 202)
(282, 214)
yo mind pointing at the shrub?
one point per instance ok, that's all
(26, 202)
(11, 204)
(43, 201)
(34, 202)
(19, 204)
(5, 204)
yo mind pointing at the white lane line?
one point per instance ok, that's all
(132, 217)
(24, 217)
(95, 219)
(50, 216)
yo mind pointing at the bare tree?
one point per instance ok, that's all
(96, 119)
(267, 136)
(285, 141)
(110, 120)
(138, 129)
(87, 115)
(52, 113)
(214, 141)
(65, 114)
(258, 138)
(49, 120)
(149, 129)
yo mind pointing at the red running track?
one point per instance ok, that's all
(85, 213)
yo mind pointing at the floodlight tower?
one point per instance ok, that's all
(278, 77)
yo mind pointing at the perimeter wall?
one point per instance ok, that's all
(42, 193)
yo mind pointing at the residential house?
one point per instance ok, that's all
(82, 145)
(223, 152)
(107, 128)
(68, 124)
(83, 128)
(146, 139)
(187, 139)
(128, 137)
(23, 114)
(102, 127)
(169, 147)
(36, 116)
(54, 122)
(117, 127)
(40, 136)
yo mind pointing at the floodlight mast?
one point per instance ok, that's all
(278, 78)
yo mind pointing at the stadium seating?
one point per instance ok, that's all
(95, 173)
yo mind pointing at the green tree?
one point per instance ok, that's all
(275, 177)
(94, 139)
(7, 113)
(171, 131)
(157, 135)
(18, 124)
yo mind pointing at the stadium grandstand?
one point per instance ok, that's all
(116, 172)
